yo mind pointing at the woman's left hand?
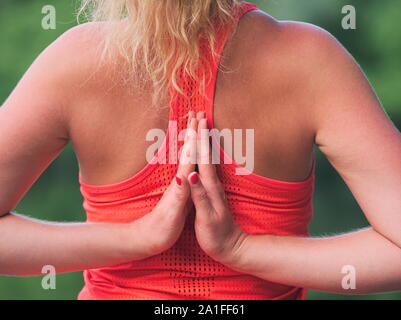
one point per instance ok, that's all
(217, 233)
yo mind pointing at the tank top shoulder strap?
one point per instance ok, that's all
(225, 33)
(223, 36)
(180, 106)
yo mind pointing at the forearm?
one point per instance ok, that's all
(26, 245)
(317, 263)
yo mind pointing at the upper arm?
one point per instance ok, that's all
(353, 130)
(34, 119)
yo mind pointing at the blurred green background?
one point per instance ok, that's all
(376, 45)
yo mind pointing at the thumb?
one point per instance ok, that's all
(200, 198)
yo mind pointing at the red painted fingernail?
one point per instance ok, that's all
(193, 178)
(178, 180)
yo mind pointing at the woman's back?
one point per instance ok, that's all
(256, 90)
(291, 84)
(119, 185)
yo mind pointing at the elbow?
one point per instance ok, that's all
(392, 236)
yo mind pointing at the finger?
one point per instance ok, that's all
(188, 152)
(190, 115)
(204, 153)
(200, 115)
(200, 198)
(207, 169)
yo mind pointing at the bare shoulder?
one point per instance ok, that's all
(59, 67)
(75, 52)
(53, 83)
(292, 46)
(75, 66)
(67, 61)
(291, 62)
(291, 70)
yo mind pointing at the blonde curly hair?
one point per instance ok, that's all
(158, 37)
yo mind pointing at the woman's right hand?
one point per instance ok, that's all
(79, 246)
(160, 229)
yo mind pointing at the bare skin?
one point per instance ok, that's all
(300, 262)
(292, 83)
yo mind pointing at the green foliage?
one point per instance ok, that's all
(375, 44)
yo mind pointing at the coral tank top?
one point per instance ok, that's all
(259, 205)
